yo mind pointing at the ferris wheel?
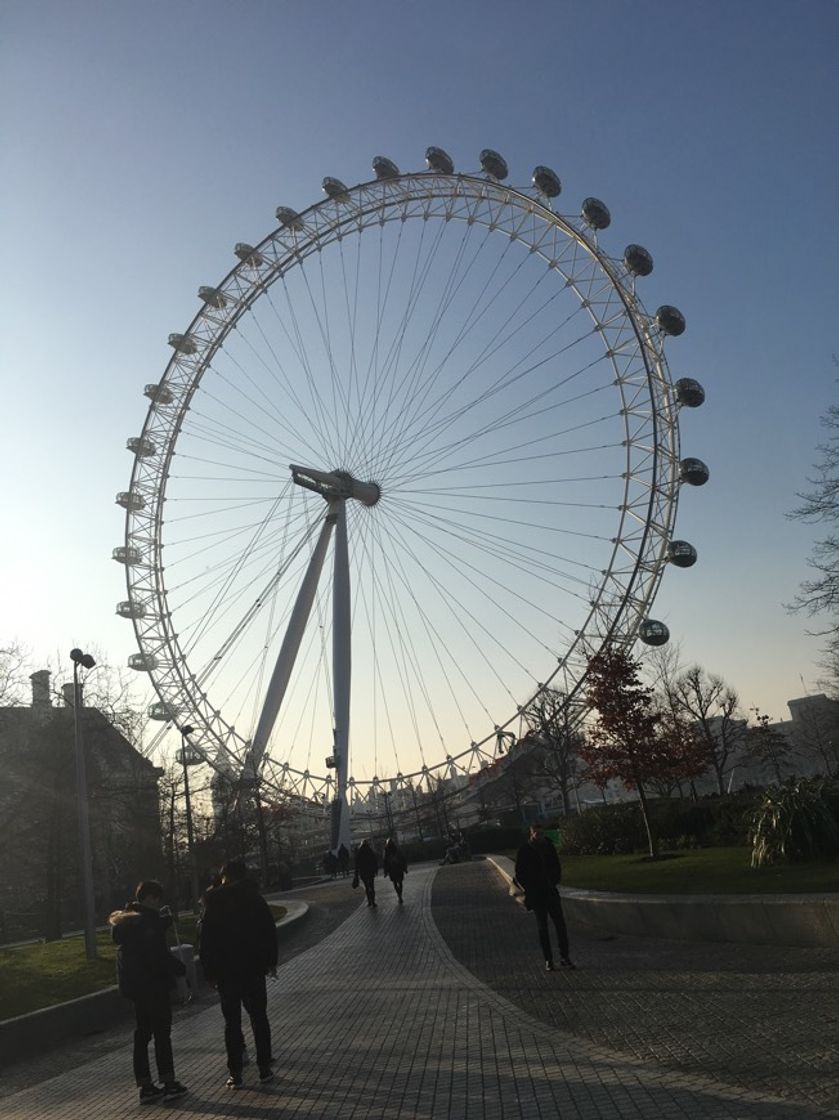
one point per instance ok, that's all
(413, 460)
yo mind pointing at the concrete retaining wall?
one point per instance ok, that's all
(806, 920)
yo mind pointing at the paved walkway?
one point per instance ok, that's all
(381, 1020)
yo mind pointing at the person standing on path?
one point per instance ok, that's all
(366, 868)
(238, 949)
(344, 861)
(146, 972)
(395, 865)
(539, 872)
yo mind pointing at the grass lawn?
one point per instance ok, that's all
(706, 871)
(40, 975)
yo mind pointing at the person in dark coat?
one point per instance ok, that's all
(366, 869)
(538, 872)
(146, 972)
(395, 865)
(344, 860)
(238, 949)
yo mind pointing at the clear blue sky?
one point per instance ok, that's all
(142, 140)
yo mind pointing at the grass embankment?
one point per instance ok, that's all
(40, 975)
(705, 871)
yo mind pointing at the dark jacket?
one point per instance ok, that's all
(366, 862)
(538, 871)
(238, 933)
(394, 864)
(143, 959)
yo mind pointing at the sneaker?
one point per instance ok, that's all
(173, 1089)
(266, 1074)
(566, 962)
(151, 1093)
(234, 1081)
(549, 966)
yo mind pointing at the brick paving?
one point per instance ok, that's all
(760, 1017)
(381, 1019)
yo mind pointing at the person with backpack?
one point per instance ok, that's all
(238, 948)
(146, 972)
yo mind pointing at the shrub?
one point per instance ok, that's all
(604, 830)
(794, 822)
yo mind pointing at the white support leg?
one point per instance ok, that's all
(341, 674)
(293, 637)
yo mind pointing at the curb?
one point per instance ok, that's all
(41, 1030)
(808, 921)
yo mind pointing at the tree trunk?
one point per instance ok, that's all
(645, 813)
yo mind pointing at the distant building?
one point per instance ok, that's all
(813, 733)
(40, 888)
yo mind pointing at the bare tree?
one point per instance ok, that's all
(558, 740)
(820, 505)
(13, 658)
(714, 707)
(767, 745)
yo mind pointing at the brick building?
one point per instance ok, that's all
(40, 885)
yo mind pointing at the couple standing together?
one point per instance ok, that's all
(367, 867)
(238, 948)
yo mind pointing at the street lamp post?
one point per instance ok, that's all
(186, 759)
(86, 856)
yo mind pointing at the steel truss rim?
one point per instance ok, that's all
(617, 621)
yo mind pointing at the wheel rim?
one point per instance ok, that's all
(291, 302)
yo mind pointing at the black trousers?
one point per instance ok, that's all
(369, 882)
(248, 992)
(396, 878)
(550, 904)
(154, 1021)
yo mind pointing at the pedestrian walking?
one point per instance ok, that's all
(146, 972)
(394, 865)
(344, 860)
(366, 869)
(238, 950)
(539, 872)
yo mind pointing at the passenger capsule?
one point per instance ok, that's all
(494, 164)
(637, 260)
(162, 711)
(670, 320)
(595, 213)
(213, 297)
(681, 554)
(439, 161)
(653, 633)
(546, 181)
(141, 447)
(689, 392)
(183, 343)
(248, 255)
(335, 189)
(127, 609)
(288, 218)
(385, 168)
(158, 394)
(693, 472)
(129, 500)
(142, 662)
(127, 555)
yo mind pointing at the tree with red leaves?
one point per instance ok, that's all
(627, 740)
